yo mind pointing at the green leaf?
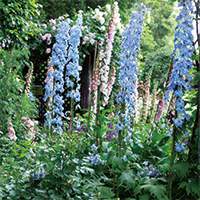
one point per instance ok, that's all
(164, 141)
(105, 192)
(86, 170)
(182, 185)
(181, 169)
(144, 196)
(128, 178)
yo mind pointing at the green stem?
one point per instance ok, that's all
(169, 185)
(118, 152)
(71, 115)
(97, 116)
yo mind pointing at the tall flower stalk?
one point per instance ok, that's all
(72, 69)
(128, 71)
(64, 55)
(180, 76)
(182, 64)
(105, 69)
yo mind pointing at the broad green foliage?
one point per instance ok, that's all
(18, 21)
(14, 103)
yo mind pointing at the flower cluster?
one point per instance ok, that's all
(94, 159)
(32, 174)
(182, 59)
(72, 68)
(64, 56)
(128, 61)
(160, 110)
(106, 56)
(58, 60)
(149, 170)
(11, 132)
(179, 147)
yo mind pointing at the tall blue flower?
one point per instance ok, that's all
(182, 59)
(65, 54)
(72, 70)
(128, 61)
(128, 69)
(58, 60)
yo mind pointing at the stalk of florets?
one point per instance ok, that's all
(146, 99)
(153, 101)
(95, 81)
(128, 61)
(28, 79)
(72, 67)
(104, 72)
(110, 85)
(182, 62)
(146, 95)
(160, 110)
(128, 71)
(59, 61)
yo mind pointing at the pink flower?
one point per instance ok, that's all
(11, 133)
(27, 24)
(25, 119)
(86, 39)
(48, 50)
(44, 37)
(54, 28)
(90, 34)
(30, 123)
(92, 41)
(2, 63)
(45, 26)
(79, 68)
(52, 21)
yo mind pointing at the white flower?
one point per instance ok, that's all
(103, 28)
(108, 7)
(101, 20)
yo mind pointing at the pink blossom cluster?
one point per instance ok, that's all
(4, 41)
(94, 88)
(146, 98)
(86, 38)
(106, 57)
(30, 128)
(11, 132)
(110, 86)
(160, 110)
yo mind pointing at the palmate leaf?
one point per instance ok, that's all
(156, 190)
(192, 186)
(128, 179)
(181, 169)
(105, 192)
